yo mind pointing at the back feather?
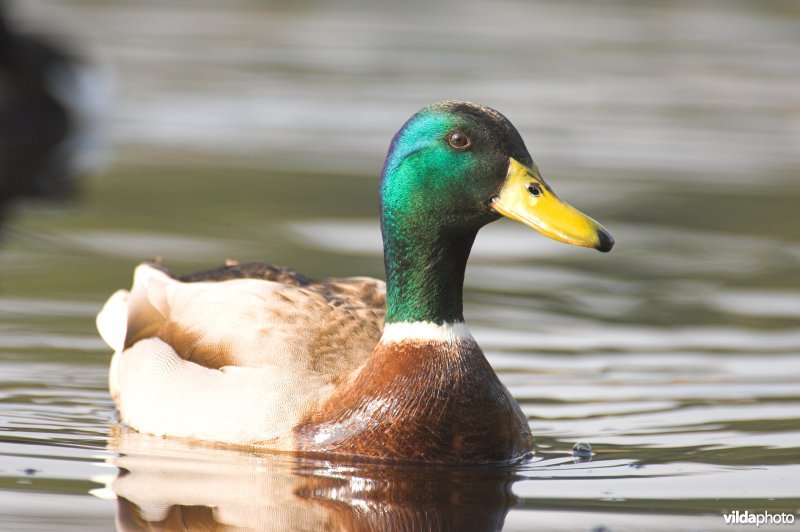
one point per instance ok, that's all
(327, 326)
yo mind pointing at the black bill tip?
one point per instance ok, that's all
(606, 241)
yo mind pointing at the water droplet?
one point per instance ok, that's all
(582, 449)
(582, 452)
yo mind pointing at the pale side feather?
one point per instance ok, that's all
(289, 345)
(160, 393)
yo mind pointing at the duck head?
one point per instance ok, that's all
(452, 168)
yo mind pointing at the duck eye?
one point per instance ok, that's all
(534, 190)
(459, 140)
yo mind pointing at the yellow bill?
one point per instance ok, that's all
(526, 198)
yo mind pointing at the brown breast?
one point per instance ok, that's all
(421, 401)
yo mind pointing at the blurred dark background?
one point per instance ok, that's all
(668, 113)
(50, 112)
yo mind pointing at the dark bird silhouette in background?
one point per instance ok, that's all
(47, 114)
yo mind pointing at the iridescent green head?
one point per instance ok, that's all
(430, 176)
(452, 168)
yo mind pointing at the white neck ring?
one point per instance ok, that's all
(426, 331)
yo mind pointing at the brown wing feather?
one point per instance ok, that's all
(330, 326)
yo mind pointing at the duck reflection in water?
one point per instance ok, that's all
(168, 484)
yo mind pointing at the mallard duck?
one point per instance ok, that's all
(263, 357)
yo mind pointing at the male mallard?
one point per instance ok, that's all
(263, 357)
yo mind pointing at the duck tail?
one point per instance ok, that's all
(129, 316)
(148, 302)
(112, 320)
